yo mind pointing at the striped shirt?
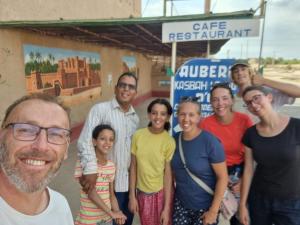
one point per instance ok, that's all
(124, 124)
(89, 213)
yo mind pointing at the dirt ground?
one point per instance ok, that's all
(283, 73)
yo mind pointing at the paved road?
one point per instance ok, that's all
(65, 183)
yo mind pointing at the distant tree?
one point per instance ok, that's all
(268, 60)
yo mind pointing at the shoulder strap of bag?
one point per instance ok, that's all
(195, 178)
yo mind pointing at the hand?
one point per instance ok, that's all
(209, 217)
(257, 79)
(133, 205)
(164, 217)
(119, 217)
(88, 181)
(244, 215)
(235, 188)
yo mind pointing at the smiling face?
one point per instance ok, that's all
(104, 142)
(221, 102)
(31, 165)
(158, 117)
(189, 117)
(241, 75)
(125, 91)
(257, 102)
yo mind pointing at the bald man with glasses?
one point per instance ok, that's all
(34, 139)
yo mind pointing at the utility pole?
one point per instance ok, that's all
(207, 11)
(207, 6)
(263, 13)
(228, 53)
(247, 46)
(165, 8)
(262, 8)
(241, 51)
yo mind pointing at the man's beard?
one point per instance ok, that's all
(15, 177)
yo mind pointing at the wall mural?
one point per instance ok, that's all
(129, 65)
(60, 72)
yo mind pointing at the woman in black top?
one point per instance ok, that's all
(273, 191)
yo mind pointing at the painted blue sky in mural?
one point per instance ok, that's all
(59, 53)
(130, 61)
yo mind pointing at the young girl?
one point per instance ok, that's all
(100, 206)
(150, 170)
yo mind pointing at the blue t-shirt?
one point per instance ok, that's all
(199, 154)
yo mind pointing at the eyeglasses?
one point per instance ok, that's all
(124, 86)
(30, 132)
(256, 99)
(189, 99)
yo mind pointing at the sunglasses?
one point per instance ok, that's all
(225, 85)
(124, 86)
(189, 99)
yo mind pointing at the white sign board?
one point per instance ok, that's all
(209, 30)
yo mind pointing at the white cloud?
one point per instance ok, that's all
(153, 8)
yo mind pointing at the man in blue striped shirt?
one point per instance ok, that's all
(120, 114)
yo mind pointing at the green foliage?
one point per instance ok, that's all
(40, 64)
(280, 60)
(46, 64)
(95, 66)
(43, 67)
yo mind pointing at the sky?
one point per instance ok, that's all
(59, 53)
(281, 36)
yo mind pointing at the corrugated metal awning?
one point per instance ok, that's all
(137, 34)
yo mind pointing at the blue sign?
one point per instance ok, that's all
(195, 79)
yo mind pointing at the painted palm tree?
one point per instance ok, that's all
(31, 56)
(38, 57)
(37, 62)
(51, 58)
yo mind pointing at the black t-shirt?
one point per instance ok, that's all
(278, 161)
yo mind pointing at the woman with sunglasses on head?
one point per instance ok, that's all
(243, 77)
(228, 126)
(273, 190)
(204, 158)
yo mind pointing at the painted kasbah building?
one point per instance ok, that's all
(73, 75)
